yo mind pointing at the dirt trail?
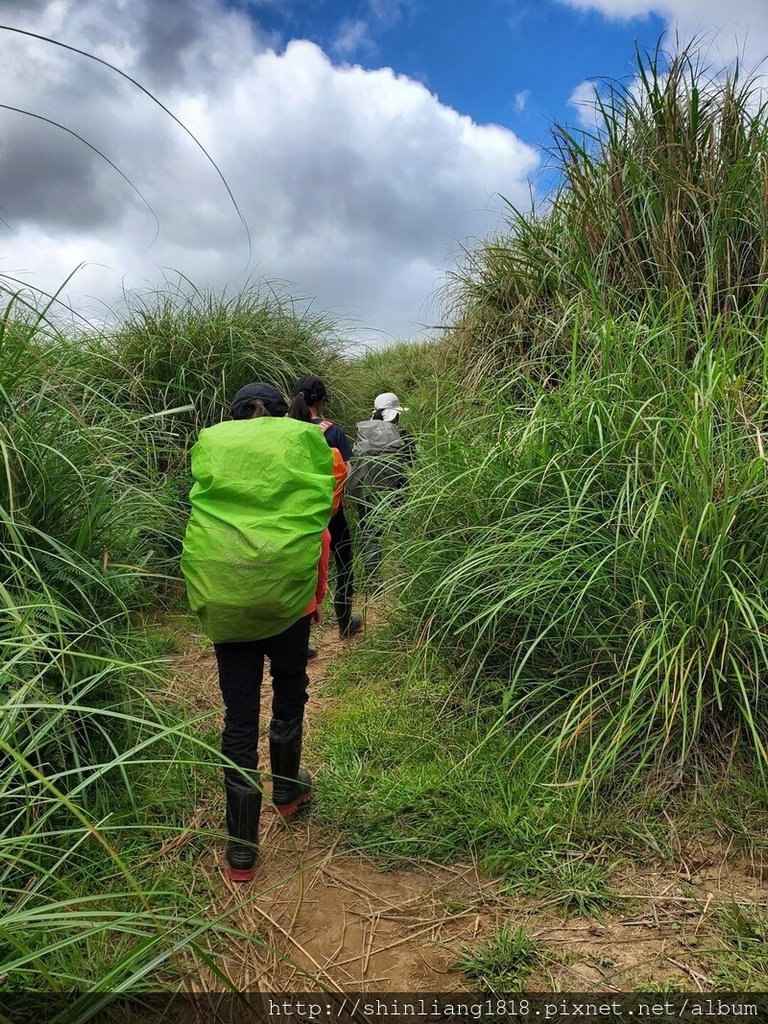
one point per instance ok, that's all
(320, 918)
(323, 918)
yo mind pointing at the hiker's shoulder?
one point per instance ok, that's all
(333, 431)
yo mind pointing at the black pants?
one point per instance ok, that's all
(370, 538)
(241, 668)
(341, 548)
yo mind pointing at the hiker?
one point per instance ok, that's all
(380, 455)
(255, 560)
(309, 395)
(298, 410)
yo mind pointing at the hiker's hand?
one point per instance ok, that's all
(317, 616)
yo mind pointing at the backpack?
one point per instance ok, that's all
(378, 457)
(260, 502)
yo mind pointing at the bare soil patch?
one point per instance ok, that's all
(318, 917)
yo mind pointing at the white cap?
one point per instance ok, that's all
(388, 405)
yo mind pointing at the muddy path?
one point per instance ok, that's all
(319, 917)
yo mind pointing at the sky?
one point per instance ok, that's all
(365, 143)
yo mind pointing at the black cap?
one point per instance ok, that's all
(273, 401)
(312, 388)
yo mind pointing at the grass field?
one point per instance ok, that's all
(568, 669)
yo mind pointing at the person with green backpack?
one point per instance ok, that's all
(255, 561)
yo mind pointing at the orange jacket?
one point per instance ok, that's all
(340, 475)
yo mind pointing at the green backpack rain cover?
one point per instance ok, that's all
(260, 503)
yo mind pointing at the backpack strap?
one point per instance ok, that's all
(325, 425)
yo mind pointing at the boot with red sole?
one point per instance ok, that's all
(291, 785)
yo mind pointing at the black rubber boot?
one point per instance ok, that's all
(311, 653)
(291, 785)
(349, 624)
(243, 810)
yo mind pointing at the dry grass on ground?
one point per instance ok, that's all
(319, 917)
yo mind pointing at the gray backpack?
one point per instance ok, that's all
(377, 458)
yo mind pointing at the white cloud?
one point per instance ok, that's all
(733, 27)
(521, 100)
(615, 8)
(357, 184)
(582, 99)
(352, 36)
(726, 29)
(357, 35)
(389, 12)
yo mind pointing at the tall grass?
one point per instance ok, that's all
(82, 526)
(416, 372)
(605, 554)
(183, 346)
(99, 768)
(585, 536)
(667, 194)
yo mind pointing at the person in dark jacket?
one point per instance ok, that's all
(310, 392)
(382, 453)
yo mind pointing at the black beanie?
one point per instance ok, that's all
(273, 401)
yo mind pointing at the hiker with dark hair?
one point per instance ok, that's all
(298, 410)
(309, 395)
(380, 456)
(255, 560)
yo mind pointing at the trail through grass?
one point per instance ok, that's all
(549, 765)
(334, 906)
